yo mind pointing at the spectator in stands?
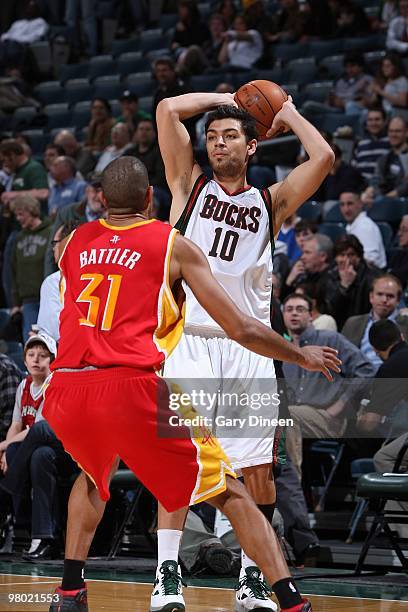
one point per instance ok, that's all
(121, 143)
(28, 259)
(364, 228)
(397, 30)
(391, 175)
(319, 410)
(84, 160)
(320, 318)
(369, 149)
(88, 9)
(98, 133)
(169, 85)
(131, 114)
(89, 208)
(10, 377)
(29, 176)
(30, 29)
(146, 148)
(352, 280)
(241, 48)
(228, 11)
(390, 86)
(259, 19)
(342, 177)
(389, 10)
(318, 19)
(289, 23)
(205, 57)
(352, 20)
(190, 30)
(384, 298)
(313, 266)
(67, 189)
(398, 264)
(294, 232)
(52, 151)
(349, 90)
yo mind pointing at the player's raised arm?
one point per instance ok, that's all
(188, 262)
(304, 180)
(175, 144)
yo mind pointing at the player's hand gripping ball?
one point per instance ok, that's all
(262, 100)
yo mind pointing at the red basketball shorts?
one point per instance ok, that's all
(101, 414)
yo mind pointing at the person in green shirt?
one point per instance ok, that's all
(131, 113)
(27, 264)
(29, 176)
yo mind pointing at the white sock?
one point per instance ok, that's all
(35, 542)
(246, 561)
(168, 544)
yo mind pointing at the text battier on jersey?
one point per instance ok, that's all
(120, 257)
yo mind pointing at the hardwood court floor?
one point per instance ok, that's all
(110, 596)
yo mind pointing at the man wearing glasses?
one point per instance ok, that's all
(319, 410)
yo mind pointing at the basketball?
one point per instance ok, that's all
(262, 100)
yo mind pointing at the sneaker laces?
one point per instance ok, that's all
(257, 587)
(171, 579)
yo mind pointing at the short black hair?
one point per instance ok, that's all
(124, 184)
(298, 296)
(348, 241)
(383, 334)
(354, 57)
(304, 225)
(228, 111)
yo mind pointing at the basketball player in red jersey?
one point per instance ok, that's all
(119, 321)
(234, 224)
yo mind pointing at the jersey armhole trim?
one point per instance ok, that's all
(267, 198)
(184, 218)
(65, 248)
(167, 287)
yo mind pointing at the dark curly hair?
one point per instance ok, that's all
(232, 112)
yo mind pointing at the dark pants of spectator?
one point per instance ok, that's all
(38, 464)
(6, 271)
(291, 503)
(30, 316)
(11, 54)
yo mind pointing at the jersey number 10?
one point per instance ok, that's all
(94, 302)
(229, 244)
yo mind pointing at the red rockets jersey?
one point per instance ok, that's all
(29, 405)
(118, 308)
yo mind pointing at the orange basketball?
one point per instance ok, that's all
(262, 100)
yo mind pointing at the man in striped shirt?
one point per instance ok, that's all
(368, 150)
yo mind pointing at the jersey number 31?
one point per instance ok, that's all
(94, 302)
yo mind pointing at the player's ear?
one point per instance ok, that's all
(252, 145)
(149, 201)
(103, 200)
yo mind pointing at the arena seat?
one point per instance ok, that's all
(301, 70)
(124, 46)
(168, 20)
(333, 215)
(207, 82)
(74, 71)
(108, 87)
(378, 489)
(23, 115)
(324, 48)
(146, 103)
(151, 39)
(50, 92)
(332, 230)
(310, 210)
(82, 114)
(4, 317)
(331, 67)
(58, 115)
(286, 52)
(78, 90)
(332, 450)
(387, 209)
(141, 83)
(386, 233)
(330, 122)
(277, 74)
(318, 91)
(38, 140)
(133, 61)
(359, 467)
(102, 65)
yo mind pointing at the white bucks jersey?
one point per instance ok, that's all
(235, 233)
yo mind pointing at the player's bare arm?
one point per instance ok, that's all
(188, 262)
(304, 180)
(175, 145)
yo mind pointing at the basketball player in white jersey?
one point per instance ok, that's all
(234, 224)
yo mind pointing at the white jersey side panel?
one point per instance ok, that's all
(233, 231)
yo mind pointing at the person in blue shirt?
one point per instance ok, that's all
(67, 189)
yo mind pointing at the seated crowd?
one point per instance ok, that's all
(340, 264)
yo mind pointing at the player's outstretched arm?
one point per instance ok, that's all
(188, 262)
(175, 144)
(304, 180)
